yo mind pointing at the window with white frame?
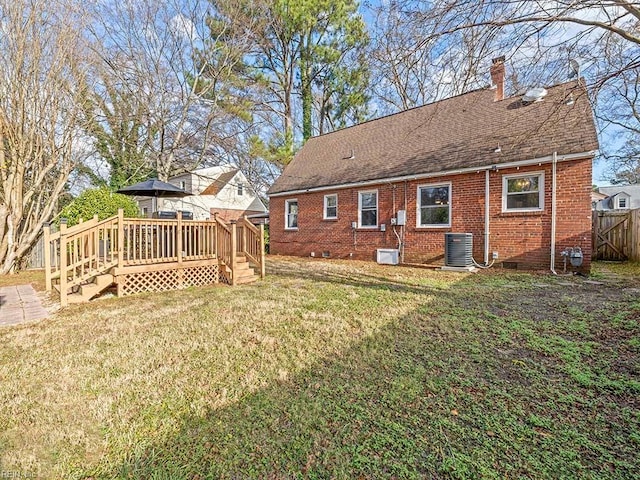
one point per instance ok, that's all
(291, 214)
(368, 209)
(183, 184)
(622, 202)
(523, 192)
(330, 206)
(434, 205)
(240, 189)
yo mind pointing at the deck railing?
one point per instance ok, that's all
(76, 254)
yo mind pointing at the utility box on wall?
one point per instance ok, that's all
(401, 218)
(388, 256)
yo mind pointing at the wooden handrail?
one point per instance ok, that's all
(74, 255)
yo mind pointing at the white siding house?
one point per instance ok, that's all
(223, 190)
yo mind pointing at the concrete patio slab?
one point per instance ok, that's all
(20, 304)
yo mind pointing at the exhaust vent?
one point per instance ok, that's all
(458, 249)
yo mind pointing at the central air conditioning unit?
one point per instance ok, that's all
(458, 249)
(388, 256)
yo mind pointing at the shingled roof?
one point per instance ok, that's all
(457, 133)
(219, 183)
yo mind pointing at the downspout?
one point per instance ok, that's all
(403, 228)
(486, 217)
(553, 213)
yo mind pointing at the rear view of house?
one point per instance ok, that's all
(515, 173)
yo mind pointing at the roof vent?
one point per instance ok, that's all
(534, 95)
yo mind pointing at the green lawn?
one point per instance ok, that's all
(334, 369)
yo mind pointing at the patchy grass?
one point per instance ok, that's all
(332, 370)
(34, 277)
(624, 269)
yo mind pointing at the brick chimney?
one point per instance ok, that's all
(497, 77)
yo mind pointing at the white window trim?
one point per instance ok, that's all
(626, 199)
(324, 212)
(418, 205)
(506, 178)
(372, 227)
(286, 214)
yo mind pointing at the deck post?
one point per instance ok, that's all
(262, 252)
(47, 255)
(244, 234)
(63, 262)
(180, 238)
(120, 236)
(234, 252)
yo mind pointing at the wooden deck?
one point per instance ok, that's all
(143, 255)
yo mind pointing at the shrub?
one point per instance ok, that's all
(98, 201)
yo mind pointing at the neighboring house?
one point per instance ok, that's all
(595, 198)
(619, 197)
(220, 190)
(475, 163)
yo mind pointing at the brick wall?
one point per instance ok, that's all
(521, 238)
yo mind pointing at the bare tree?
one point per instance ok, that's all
(42, 89)
(159, 96)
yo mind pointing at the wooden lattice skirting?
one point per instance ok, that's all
(170, 279)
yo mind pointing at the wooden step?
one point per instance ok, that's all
(76, 298)
(248, 279)
(90, 290)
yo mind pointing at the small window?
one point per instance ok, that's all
(145, 211)
(523, 193)
(291, 214)
(434, 205)
(183, 184)
(240, 189)
(622, 202)
(330, 206)
(368, 209)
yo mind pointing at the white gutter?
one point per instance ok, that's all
(500, 166)
(553, 213)
(486, 217)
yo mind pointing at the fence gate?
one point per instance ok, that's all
(615, 235)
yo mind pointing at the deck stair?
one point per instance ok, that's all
(242, 273)
(141, 254)
(87, 291)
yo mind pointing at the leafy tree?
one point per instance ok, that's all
(98, 201)
(303, 63)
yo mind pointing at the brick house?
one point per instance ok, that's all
(508, 170)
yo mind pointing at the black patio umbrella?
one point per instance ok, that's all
(153, 188)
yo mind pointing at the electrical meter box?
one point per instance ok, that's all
(401, 217)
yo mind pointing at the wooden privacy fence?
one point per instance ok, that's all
(616, 235)
(157, 251)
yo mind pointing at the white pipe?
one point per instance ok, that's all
(553, 213)
(486, 217)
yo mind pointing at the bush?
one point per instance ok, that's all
(98, 201)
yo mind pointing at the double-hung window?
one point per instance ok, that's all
(523, 192)
(368, 209)
(330, 207)
(434, 205)
(291, 214)
(622, 202)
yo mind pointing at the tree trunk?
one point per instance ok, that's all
(307, 95)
